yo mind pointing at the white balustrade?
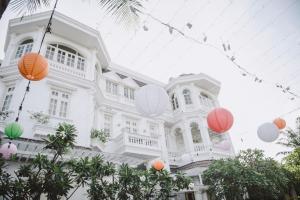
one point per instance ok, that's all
(67, 69)
(141, 140)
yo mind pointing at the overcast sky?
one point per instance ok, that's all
(263, 35)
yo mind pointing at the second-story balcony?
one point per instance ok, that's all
(201, 152)
(67, 69)
(137, 145)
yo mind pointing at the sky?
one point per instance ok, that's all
(263, 36)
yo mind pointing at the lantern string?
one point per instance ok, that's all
(223, 51)
(47, 30)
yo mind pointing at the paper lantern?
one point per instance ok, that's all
(268, 132)
(280, 123)
(8, 149)
(33, 66)
(151, 100)
(219, 120)
(13, 130)
(158, 165)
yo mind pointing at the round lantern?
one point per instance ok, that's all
(280, 123)
(33, 66)
(158, 165)
(151, 100)
(8, 149)
(13, 130)
(268, 132)
(220, 120)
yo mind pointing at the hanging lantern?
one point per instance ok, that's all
(13, 130)
(280, 123)
(268, 132)
(151, 100)
(33, 66)
(8, 149)
(158, 165)
(219, 120)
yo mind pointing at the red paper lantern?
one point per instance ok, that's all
(220, 120)
(280, 123)
(158, 165)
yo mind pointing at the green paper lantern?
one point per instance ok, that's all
(13, 130)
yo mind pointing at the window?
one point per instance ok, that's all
(153, 129)
(108, 124)
(7, 98)
(129, 93)
(24, 47)
(196, 135)
(80, 63)
(59, 103)
(179, 140)
(65, 55)
(131, 126)
(61, 56)
(50, 52)
(215, 137)
(111, 87)
(174, 100)
(206, 100)
(187, 96)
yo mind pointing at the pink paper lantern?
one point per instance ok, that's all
(220, 120)
(8, 149)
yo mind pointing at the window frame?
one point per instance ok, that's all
(8, 98)
(24, 47)
(187, 96)
(61, 105)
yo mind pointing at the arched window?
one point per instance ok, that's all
(174, 100)
(24, 47)
(179, 139)
(187, 96)
(65, 55)
(206, 100)
(215, 137)
(196, 135)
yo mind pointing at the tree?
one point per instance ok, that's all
(248, 176)
(56, 177)
(122, 10)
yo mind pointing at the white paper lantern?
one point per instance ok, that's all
(151, 100)
(268, 132)
(8, 149)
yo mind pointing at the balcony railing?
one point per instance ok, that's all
(67, 69)
(141, 140)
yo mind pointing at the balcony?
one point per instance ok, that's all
(64, 68)
(201, 152)
(135, 145)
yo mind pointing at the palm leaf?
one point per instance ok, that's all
(24, 6)
(123, 10)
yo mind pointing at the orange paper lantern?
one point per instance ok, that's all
(220, 120)
(33, 66)
(158, 165)
(280, 123)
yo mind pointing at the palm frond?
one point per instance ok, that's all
(127, 11)
(25, 6)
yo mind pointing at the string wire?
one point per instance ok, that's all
(47, 30)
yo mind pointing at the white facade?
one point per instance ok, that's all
(86, 88)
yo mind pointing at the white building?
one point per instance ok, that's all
(86, 88)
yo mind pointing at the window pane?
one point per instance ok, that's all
(71, 60)
(52, 106)
(50, 52)
(19, 52)
(61, 56)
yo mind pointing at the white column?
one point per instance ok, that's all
(187, 136)
(204, 131)
(37, 39)
(163, 145)
(11, 49)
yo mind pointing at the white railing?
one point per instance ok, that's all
(201, 148)
(67, 69)
(141, 140)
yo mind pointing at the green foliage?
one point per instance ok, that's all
(292, 164)
(101, 135)
(250, 175)
(40, 117)
(58, 178)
